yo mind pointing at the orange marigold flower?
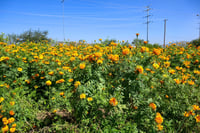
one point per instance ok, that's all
(178, 81)
(14, 125)
(137, 34)
(5, 129)
(125, 51)
(11, 112)
(186, 114)
(113, 101)
(61, 93)
(71, 80)
(156, 51)
(145, 42)
(153, 106)
(61, 73)
(195, 107)
(82, 65)
(159, 127)
(158, 118)
(190, 82)
(139, 69)
(197, 117)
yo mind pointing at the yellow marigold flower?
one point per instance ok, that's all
(147, 69)
(139, 69)
(159, 127)
(82, 96)
(172, 71)
(195, 107)
(155, 65)
(153, 106)
(19, 69)
(11, 120)
(190, 82)
(71, 80)
(53, 98)
(11, 112)
(48, 83)
(12, 130)
(51, 73)
(14, 125)
(27, 81)
(1, 99)
(186, 114)
(158, 118)
(144, 49)
(166, 64)
(197, 117)
(98, 54)
(12, 103)
(100, 39)
(61, 73)
(89, 99)
(77, 83)
(99, 61)
(115, 57)
(178, 81)
(72, 58)
(125, 51)
(5, 129)
(82, 65)
(5, 122)
(61, 93)
(54, 111)
(113, 101)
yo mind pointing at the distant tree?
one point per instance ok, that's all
(33, 36)
(196, 42)
(108, 41)
(12, 38)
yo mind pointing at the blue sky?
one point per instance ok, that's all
(94, 19)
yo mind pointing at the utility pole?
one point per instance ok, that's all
(199, 26)
(147, 10)
(63, 21)
(164, 31)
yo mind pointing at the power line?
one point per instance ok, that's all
(147, 10)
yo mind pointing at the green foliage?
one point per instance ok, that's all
(196, 42)
(33, 36)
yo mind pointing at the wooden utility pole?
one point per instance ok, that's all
(164, 31)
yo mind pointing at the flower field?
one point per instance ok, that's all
(99, 88)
